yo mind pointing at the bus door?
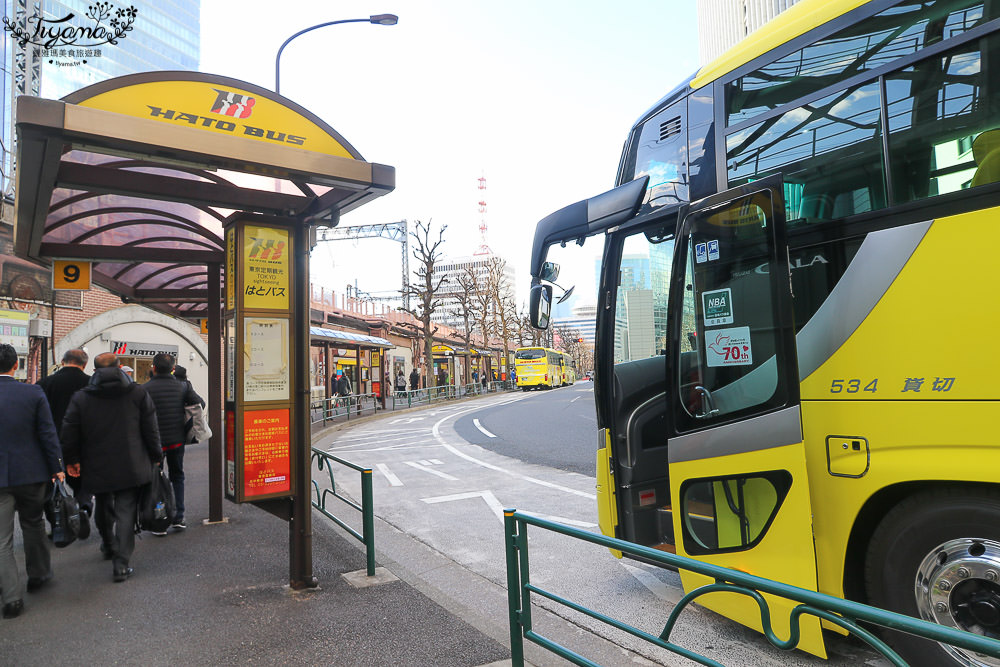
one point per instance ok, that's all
(736, 459)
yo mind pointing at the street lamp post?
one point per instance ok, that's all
(377, 19)
(299, 514)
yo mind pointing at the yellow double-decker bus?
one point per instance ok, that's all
(805, 389)
(538, 368)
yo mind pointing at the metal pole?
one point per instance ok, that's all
(368, 518)
(216, 449)
(277, 58)
(513, 589)
(300, 527)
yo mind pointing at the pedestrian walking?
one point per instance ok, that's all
(170, 396)
(181, 374)
(111, 441)
(59, 389)
(30, 458)
(414, 379)
(400, 381)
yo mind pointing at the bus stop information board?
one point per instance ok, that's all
(259, 349)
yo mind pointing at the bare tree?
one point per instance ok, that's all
(498, 293)
(480, 310)
(464, 298)
(424, 291)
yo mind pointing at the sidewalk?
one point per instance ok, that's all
(218, 595)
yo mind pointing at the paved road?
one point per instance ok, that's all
(441, 478)
(555, 428)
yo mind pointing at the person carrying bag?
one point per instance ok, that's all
(64, 513)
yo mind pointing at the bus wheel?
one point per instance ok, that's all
(936, 556)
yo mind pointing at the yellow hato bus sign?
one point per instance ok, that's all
(216, 104)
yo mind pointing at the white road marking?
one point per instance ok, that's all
(454, 450)
(406, 420)
(655, 586)
(575, 399)
(442, 475)
(437, 462)
(568, 522)
(424, 462)
(484, 431)
(487, 496)
(384, 469)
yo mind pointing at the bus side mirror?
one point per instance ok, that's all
(550, 272)
(539, 306)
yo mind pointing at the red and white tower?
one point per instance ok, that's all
(484, 249)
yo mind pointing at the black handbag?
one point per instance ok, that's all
(156, 503)
(64, 515)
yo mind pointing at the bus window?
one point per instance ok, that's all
(937, 110)
(731, 513)
(830, 152)
(864, 46)
(727, 312)
(641, 299)
(661, 154)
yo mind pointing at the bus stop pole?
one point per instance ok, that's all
(300, 526)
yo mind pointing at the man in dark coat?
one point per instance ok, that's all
(110, 440)
(29, 459)
(59, 389)
(414, 379)
(170, 396)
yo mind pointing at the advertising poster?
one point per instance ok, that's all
(265, 267)
(266, 370)
(230, 268)
(230, 452)
(266, 452)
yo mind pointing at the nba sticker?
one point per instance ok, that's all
(728, 347)
(717, 306)
(700, 253)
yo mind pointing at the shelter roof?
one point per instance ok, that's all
(141, 173)
(348, 338)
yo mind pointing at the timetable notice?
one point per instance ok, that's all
(266, 452)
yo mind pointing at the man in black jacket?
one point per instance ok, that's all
(170, 395)
(111, 442)
(59, 389)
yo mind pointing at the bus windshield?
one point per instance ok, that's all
(535, 353)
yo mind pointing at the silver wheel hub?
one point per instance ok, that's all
(958, 585)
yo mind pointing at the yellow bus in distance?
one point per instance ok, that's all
(538, 368)
(568, 370)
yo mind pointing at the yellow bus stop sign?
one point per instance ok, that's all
(70, 274)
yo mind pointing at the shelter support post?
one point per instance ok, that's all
(216, 476)
(300, 526)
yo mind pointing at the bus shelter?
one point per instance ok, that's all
(197, 195)
(333, 349)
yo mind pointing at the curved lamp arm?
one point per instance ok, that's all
(377, 19)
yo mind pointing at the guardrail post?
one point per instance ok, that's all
(368, 518)
(513, 589)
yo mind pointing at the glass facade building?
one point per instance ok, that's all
(164, 35)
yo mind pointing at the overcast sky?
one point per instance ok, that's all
(535, 95)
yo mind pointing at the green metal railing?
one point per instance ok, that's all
(843, 613)
(367, 506)
(341, 408)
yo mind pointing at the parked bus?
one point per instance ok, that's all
(538, 368)
(820, 399)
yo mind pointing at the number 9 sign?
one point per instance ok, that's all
(70, 274)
